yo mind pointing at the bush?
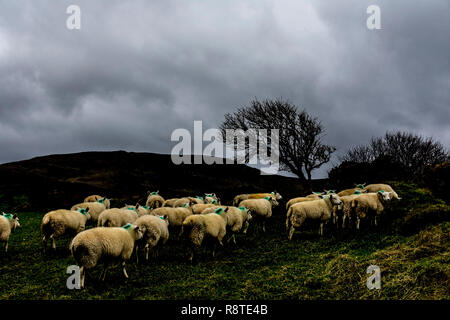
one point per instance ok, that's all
(418, 218)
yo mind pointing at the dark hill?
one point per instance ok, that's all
(58, 181)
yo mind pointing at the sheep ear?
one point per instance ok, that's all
(137, 206)
(226, 210)
(14, 216)
(86, 210)
(136, 228)
(166, 217)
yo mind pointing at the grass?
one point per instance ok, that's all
(261, 266)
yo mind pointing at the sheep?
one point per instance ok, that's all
(100, 199)
(211, 225)
(344, 210)
(239, 198)
(273, 194)
(297, 200)
(211, 198)
(8, 223)
(176, 215)
(351, 191)
(370, 204)
(170, 202)
(319, 210)
(315, 195)
(60, 222)
(104, 244)
(198, 208)
(238, 221)
(155, 232)
(182, 201)
(154, 200)
(372, 188)
(140, 210)
(116, 217)
(95, 209)
(261, 208)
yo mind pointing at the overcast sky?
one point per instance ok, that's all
(137, 70)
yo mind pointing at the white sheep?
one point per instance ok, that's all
(176, 216)
(116, 217)
(345, 210)
(95, 209)
(239, 198)
(211, 198)
(299, 199)
(373, 188)
(198, 208)
(170, 202)
(140, 210)
(370, 205)
(155, 231)
(321, 210)
(186, 200)
(8, 223)
(60, 222)
(261, 209)
(198, 227)
(104, 244)
(154, 200)
(99, 199)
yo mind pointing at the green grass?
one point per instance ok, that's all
(261, 266)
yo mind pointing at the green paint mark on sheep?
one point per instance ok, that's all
(360, 186)
(218, 211)
(209, 195)
(357, 192)
(127, 226)
(200, 198)
(214, 202)
(146, 207)
(82, 211)
(131, 208)
(185, 205)
(267, 198)
(154, 193)
(242, 208)
(8, 216)
(381, 191)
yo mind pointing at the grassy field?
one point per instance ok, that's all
(414, 263)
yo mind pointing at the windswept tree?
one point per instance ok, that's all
(412, 151)
(301, 149)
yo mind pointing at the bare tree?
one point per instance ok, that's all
(301, 149)
(412, 151)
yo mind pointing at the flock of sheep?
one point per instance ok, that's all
(120, 232)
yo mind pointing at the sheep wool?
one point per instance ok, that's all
(155, 231)
(99, 199)
(321, 210)
(154, 200)
(176, 216)
(60, 222)
(297, 200)
(372, 188)
(116, 217)
(95, 209)
(260, 208)
(198, 227)
(106, 244)
(370, 205)
(8, 223)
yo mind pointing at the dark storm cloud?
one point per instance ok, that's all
(139, 69)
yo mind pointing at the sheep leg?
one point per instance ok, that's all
(321, 229)
(357, 222)
(53, 242)
(291, 232)
(6, 246)
(191, 255)
(103, 274)
(82, 276)
(264, 226)
(234, 238)
(124, 270)
(147, 250)
(376, 224)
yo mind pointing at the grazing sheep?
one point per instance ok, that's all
(261, 208)
(155, 231)
(370, 205)
(321, 210)
(299, 199)
(372, 188)
(116, 217)
(104, 244)
(154, 200)
(95, 209)
(60, 222)
(198, 227)
(99, 199)
(8, 222)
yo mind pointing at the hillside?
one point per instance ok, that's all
(62, 180)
